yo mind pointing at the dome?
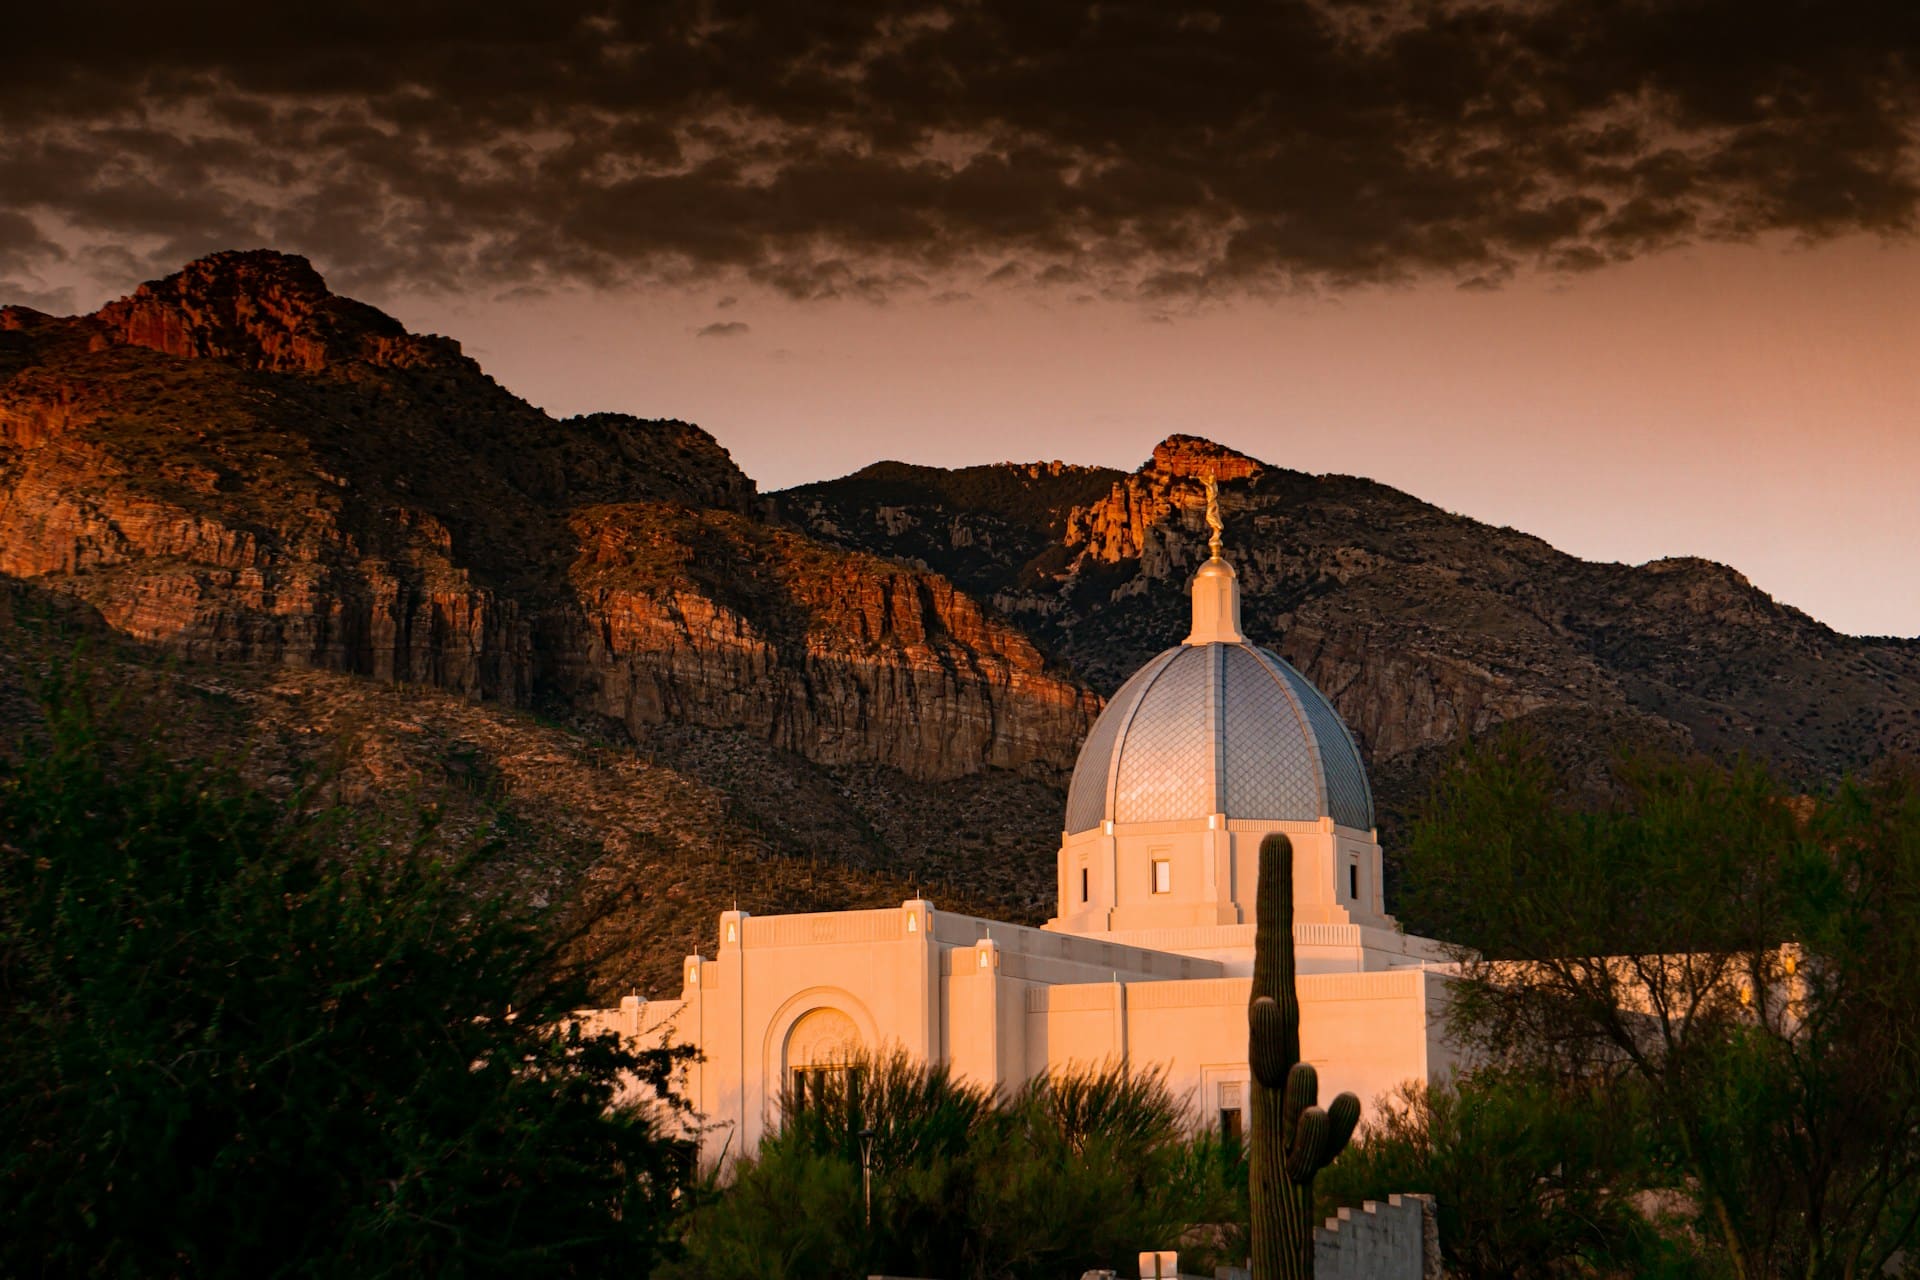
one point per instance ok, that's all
(1222, 727)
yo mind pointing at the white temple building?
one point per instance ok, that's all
(1210, 746)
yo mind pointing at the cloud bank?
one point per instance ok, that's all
(867, 148)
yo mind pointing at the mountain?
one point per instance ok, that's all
(235, 469)
(1421, 625)
(315, 541)
(238, 465)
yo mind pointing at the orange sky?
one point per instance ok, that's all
(1755, 405)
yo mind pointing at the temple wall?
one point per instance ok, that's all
(1367, 1032)
(1001, 1004)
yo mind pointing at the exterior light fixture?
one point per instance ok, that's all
(867, 1136)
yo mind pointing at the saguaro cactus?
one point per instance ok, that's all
(1292, 1137)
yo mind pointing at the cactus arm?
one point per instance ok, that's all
(1343, 1117)
(1303, 1091)
(1309, 1139)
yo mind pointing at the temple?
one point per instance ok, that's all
(1208, 747)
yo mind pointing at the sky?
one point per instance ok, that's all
(1638, 278)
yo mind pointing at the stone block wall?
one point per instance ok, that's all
(1391, 1241)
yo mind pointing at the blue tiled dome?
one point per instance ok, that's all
(1219, 728)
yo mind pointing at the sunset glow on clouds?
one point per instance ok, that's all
(1638, 278)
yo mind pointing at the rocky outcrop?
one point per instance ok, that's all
(267, 311)
(238, 465)
(1164, 495)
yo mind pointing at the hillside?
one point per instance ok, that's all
(639, 843)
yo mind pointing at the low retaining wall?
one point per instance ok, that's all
(1392, 1241)
(1398, 1240)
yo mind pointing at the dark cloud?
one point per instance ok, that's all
(866, 148)
(723, 329)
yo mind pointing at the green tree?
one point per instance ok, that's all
(1743, 952)
(237, 1040)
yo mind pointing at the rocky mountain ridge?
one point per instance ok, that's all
(1421, 625)
(240, 466)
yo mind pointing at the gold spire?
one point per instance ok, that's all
(1216, 594)
(1213, 515)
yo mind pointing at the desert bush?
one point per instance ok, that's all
(1078, 1169)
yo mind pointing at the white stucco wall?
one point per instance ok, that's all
(1001, 1003)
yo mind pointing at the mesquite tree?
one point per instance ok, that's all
(1293, 1138)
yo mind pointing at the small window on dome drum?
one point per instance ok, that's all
(1162, 876)
(1083, 885)
(1353, 881)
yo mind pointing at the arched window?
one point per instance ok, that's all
(822, 1052)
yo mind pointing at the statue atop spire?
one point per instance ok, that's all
(1216, 592)
(1214, 522)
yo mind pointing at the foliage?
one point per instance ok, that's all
(1744, 953)
(242, 1039)
(1532, 1178)
(1077, 1170)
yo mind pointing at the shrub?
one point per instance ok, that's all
(1077, 1170)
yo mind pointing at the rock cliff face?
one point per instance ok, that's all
(238, 465)
(1421, 626)
(711, 617)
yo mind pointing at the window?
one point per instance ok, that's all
(812, 1085)
(1162, 876)
(1232, 1123)
(1083, 885)
(1353, 881)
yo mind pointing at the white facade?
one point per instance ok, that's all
(1213, 745)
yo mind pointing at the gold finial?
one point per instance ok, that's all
(1213, 516)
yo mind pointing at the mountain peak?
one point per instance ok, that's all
(264, 310)
(1196, 456)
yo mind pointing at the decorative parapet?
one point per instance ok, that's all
(888, 924)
